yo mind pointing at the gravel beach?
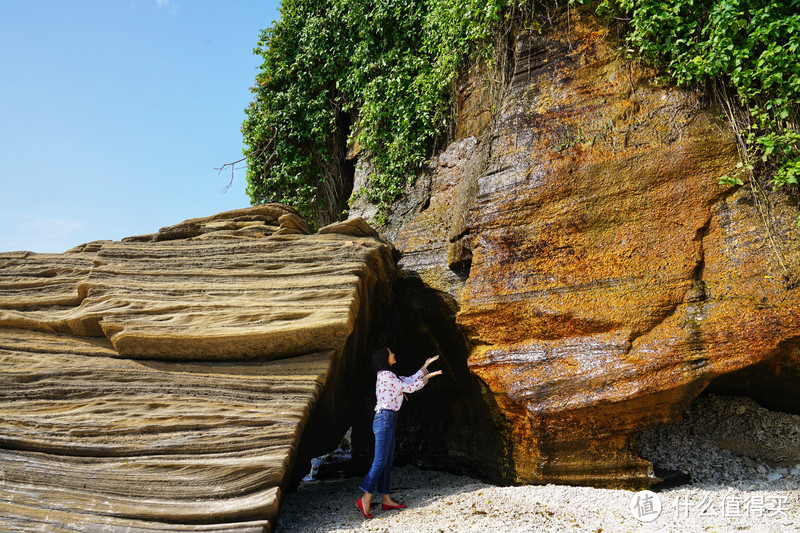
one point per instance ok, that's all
(730, 447)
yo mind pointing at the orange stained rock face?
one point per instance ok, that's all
(601, 275)
(612, 279)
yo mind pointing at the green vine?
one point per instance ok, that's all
(749, 46)
(388, 65)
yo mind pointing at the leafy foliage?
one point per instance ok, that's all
(751, 45)
(390, 64)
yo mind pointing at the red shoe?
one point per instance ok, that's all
(393, 507)
(360, 505)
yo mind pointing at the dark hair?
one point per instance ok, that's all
(380, 359)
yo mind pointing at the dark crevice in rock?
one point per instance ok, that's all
(694, 299)
(459, 245)
(446, 425)
(336, 464)
(771, 382)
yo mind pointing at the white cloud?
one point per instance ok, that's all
(167, 4)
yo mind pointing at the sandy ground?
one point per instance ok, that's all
(744, 461)
(441, 502)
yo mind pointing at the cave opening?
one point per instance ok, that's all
(446, 426)
(742, 431)
(726, 440)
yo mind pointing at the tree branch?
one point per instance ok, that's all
(233, 164)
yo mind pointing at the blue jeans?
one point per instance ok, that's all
(380, 474)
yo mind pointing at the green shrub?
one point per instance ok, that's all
(390, 64)
(750, 46)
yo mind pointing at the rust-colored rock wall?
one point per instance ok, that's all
(587, 240)
(601, 276)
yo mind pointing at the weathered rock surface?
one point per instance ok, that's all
(600, 274)
(165, 382)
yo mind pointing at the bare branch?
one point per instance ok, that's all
(233, 164)
(233, 168)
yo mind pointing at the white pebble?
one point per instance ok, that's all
(774, 476)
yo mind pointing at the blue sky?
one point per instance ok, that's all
(114, 114)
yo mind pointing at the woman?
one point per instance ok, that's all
(389, 389)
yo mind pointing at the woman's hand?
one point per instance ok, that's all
(429, 361)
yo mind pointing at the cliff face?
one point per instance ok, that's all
(570, 255)
(600, 276)
(174, 380)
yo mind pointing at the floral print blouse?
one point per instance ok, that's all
(389, 387)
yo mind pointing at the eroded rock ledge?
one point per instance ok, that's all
(164, 382)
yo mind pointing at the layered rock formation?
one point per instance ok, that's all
(570, 255)
(601, 276)
(165, 383)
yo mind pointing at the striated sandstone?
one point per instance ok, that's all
(165, 383)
